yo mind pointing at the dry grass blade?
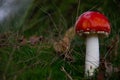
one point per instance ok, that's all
(8, 63)
(112, 49)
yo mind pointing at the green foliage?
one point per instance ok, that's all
(51, 18)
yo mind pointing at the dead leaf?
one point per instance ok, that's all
(22, 41)
(70, 33)
(106, 69)
(35, 39)
(62, 47)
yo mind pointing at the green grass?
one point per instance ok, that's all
(36, 63)
(51, 20)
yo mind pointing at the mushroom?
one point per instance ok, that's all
(91, 25)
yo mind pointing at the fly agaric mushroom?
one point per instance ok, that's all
(92, 25)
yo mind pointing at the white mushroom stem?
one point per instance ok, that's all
(92, 54)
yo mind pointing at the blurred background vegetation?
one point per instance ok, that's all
(50, 19)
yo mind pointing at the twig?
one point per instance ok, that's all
(113, 47)
(68, 75)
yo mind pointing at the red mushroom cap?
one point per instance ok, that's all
(92, 22)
